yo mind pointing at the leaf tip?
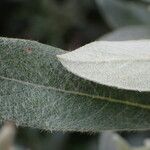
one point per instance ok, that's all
(61, 58)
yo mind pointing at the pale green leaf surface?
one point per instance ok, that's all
(132, 32)
(122, 64)
(37, 91)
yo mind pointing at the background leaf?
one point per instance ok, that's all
(36, 91)
(113, 141)
(120, 13)
(137, 32)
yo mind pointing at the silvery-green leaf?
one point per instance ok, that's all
(137, 32)
(37, 91)
(120, 13)
(121, 64)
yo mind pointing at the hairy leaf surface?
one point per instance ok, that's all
(37, 91)
(123, 64)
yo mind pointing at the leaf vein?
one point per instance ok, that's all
(125, 102)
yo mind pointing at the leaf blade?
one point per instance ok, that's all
(112, 63)
(40, 107)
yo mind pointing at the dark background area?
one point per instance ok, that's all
(66, 24)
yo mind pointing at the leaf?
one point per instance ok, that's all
(110, 140)
(113, 141)
(120, 13)
(36, 91)
(137, 32)
(123, 64)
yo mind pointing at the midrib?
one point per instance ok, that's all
(112, 100)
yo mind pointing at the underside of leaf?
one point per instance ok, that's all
(121, 64)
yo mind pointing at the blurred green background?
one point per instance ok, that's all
(68, 24)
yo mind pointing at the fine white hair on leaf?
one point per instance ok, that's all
(121, 64)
